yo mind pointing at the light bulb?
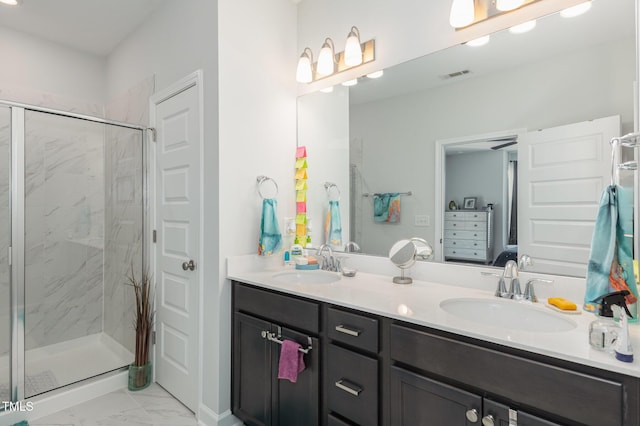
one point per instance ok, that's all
(576, 10)
(350, 82)
(376, 74)
(352, 49)
(304, 73)
(462, 13)
(480, 41)
(326, 62)
(523, 28)
(327, 89)
(506, 5)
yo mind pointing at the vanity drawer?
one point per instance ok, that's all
(454, 224)
(576, 396)
(278, 308)
(466, 235)
(478, 216)
(454, 216)
(471, 226)
(352, 385)
(465, 244)
(353, 329)
(465, 253)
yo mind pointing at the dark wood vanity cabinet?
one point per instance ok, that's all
(258, 396)
(369, 370)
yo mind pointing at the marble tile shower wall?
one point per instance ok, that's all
(5, 161)
(64, 228)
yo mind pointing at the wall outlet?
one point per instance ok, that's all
(422, 220)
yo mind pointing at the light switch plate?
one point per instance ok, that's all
(422, 220)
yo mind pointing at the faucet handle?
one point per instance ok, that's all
(529, 293)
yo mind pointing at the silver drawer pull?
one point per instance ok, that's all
(353, 390)
(342, 329)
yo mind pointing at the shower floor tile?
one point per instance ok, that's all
(149, 407)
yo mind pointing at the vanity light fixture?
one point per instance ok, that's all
(330, 63)
(376, 74)
(523, 28)
(468, 12)
(326, 59)
(576, 10)
(480, 41)
(304, 73)
(506, 5)
(327, 89)
(11, 2)
(462, 13)
(349, 83)
(353, 48)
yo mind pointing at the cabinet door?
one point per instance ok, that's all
(418, 400)
(499, 415)
(252, 363)
(296, 404)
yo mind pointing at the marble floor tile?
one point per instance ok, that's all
(149, 407)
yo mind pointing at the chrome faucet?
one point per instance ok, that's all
(329, 263)
(511, 271)
(351, 247)
(529, 294)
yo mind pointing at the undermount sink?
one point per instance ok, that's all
(508, 314)
(307, 277)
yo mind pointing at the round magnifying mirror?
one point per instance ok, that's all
(403, 255)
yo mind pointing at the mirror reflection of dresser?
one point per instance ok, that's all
(468, 235)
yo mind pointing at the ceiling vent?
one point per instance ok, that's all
(455, 74)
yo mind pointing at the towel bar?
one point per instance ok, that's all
(366, 194)
(272, 337)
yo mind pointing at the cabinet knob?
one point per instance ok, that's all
(472, 415)
(488, 420)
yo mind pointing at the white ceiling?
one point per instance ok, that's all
(95, 26)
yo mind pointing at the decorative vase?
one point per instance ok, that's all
(140, 376)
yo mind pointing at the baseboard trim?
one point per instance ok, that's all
(207, 417)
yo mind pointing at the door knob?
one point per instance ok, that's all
(472, 415)
(189, 266)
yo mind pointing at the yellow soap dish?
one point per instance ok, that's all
(576, 311)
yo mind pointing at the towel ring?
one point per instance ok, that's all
(329, 186)
(261, 181)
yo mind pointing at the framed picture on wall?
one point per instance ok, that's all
(469, 203)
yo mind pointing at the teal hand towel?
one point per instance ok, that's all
(270, 237)
(386, 207)
(614, 222)
(333, 224)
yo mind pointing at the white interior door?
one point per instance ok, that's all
(177, 188)
(561, 174)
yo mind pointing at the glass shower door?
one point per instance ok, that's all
(5, 232)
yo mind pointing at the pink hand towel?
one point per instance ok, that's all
(291, 361)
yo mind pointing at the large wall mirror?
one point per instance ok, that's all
(509, 140)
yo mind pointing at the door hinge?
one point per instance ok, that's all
(154, 134)
(153, 337)
(155, 236)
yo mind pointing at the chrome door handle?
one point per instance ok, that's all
(341, 384)
(189, 266)
(342, 329)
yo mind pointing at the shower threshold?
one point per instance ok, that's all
(51, 367)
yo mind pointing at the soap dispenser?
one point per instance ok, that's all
(604, 331)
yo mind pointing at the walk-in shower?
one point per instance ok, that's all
(71, 229)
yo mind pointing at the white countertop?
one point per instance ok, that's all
(419, 303)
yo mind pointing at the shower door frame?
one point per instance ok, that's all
(16, 255)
